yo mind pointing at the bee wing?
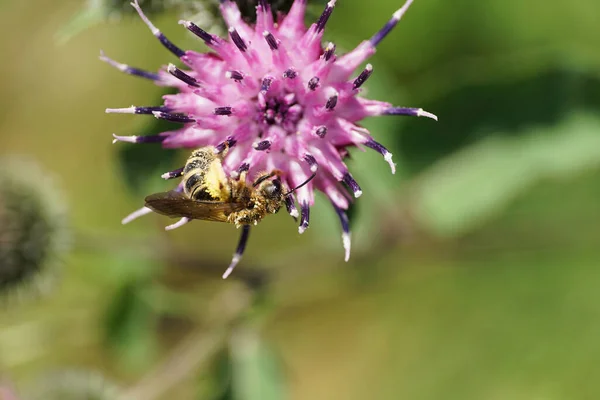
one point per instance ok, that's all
(175, 204)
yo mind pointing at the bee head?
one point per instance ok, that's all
(273, 194)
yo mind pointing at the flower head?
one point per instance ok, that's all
(277, 98)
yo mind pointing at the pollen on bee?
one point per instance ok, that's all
(292, 102)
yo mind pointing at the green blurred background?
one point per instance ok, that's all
(475, 269)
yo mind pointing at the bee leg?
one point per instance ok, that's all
(239, 251)
(345, 231)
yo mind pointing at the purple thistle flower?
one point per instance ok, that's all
(277, 99)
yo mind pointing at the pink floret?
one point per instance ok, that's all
(278, 97)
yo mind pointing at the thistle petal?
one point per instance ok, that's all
(270, 97)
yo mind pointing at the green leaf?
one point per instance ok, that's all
(130, 328)
(506, 108)
(466, 189)
(468, 169)
(80, 22)
(257, 373)
(98, 11)
(215, 383)
(205, 12)
(142, 164)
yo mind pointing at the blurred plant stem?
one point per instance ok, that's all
(197, 349)
(192, 353)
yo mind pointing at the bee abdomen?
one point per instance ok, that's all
(196, 164)
(191, 181)
(195, 169)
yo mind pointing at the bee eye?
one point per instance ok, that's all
(274, 189)
(277, 185)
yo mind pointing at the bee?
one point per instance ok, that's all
(209, 194)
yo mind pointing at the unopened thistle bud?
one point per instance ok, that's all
(33, 231)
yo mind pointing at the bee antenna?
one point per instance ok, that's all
(265, 177)
(310, 178)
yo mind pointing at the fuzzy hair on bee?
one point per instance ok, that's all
(207, 193)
